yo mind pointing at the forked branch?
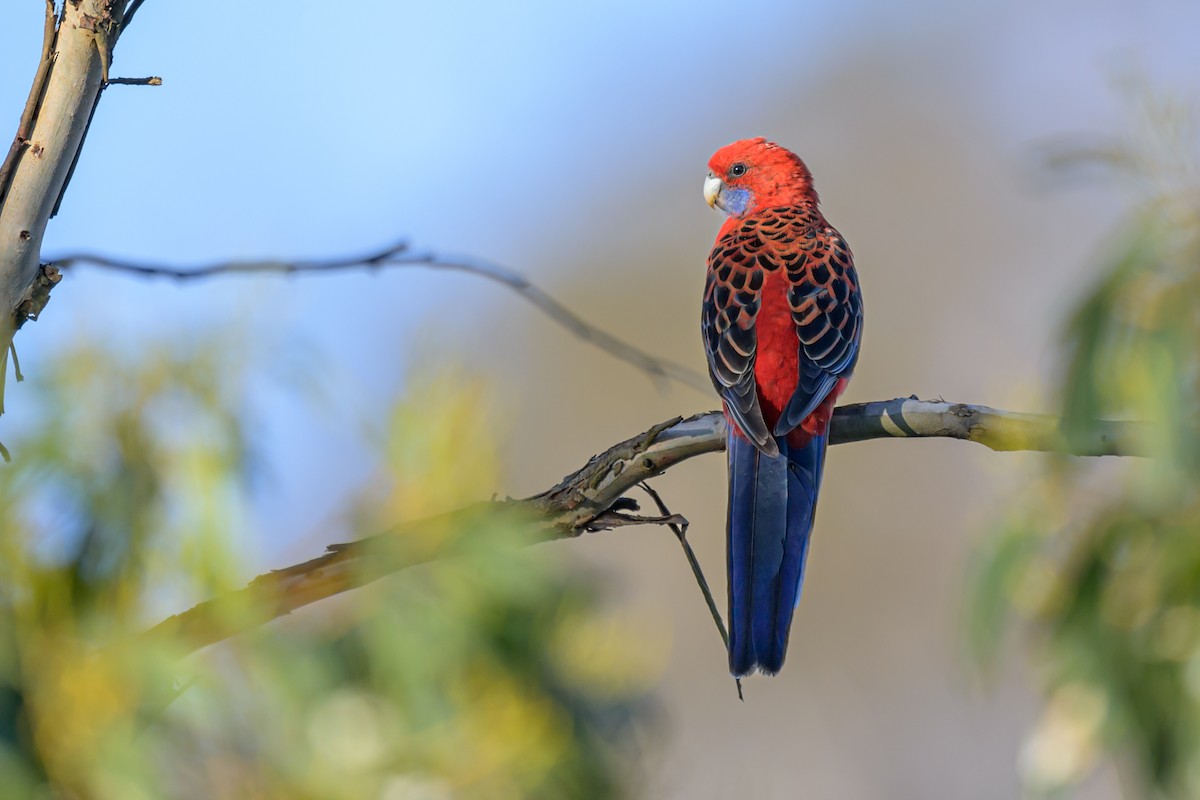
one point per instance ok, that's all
(593, 496)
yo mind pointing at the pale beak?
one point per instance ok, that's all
(712, 190)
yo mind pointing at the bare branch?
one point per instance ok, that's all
(1003, 431)
(586, 499)
(76, 48)
(25, 126)
(401, 255)
(610, 520)
(130, 10)
(152, 80)
(680, 531)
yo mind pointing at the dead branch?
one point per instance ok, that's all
(592, 497)
(401, 255)
(72, 73)
(150, 80)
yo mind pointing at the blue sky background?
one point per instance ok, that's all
(568, 141)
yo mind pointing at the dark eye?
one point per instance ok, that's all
(737, 170)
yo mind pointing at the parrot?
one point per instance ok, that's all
(781, 322)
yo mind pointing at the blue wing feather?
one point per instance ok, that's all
(772, 506)
(774, 484)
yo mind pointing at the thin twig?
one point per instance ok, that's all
(87, 128)
(12, 350)
(680, 532)
(610, 520)
(130, 10)
(567, 509)
(152, 80)
(400, 255)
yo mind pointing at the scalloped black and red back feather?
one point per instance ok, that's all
(785, 276)
(782, 321)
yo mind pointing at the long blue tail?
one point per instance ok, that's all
(772, 502)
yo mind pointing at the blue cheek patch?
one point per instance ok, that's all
(736, 201)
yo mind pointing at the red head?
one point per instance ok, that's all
(753, 174)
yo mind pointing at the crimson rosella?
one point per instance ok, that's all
(782, 321)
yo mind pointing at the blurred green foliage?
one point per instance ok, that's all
(1101, 561)
(489, 674)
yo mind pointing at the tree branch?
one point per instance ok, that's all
(586, 499)
(130, 10)
(75, 53)
(401, 255)
(1002, 431)
(25, 126)
(151, 80)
